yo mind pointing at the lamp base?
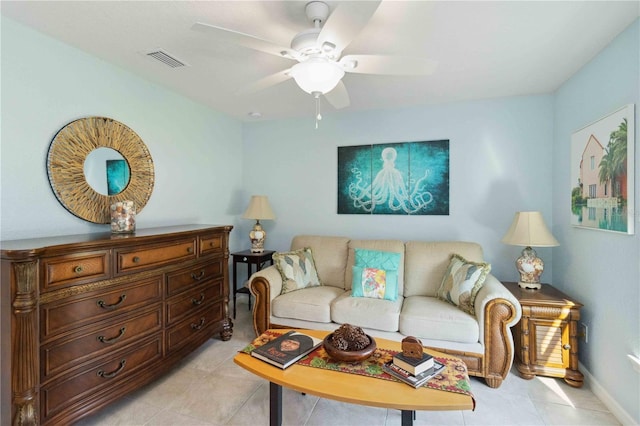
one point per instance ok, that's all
(530, 267)
(530, 286)
(257, 237)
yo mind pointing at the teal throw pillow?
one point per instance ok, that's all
(375, 274)
(374, 283)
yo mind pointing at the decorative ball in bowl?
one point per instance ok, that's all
(349, 346)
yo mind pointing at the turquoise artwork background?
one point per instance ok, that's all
(411, 179)
(117, 176)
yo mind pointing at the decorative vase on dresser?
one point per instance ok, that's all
(88, 318)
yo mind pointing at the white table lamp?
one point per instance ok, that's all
(529, 230)
(258, 209)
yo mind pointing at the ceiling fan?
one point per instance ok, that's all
(317, 50)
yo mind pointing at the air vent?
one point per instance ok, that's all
(166, 58)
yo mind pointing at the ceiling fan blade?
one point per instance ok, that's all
(338, 97)
(345, 22)
(263, 83)
(388, 65)
(246, 40)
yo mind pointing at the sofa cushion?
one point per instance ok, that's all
(330, 256)
(377, 314)
(394, 246)
(427, 262)
(310, 304)
(432, 318)
(297, 268)
(462, 282)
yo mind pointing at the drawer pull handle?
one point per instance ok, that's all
(114, 373)
(78, 269)
(199, 276)
(136, 259)
(189, 249)
(566, 346)
(115, 305)
(197, 302)
(199, 325)
(113, 339)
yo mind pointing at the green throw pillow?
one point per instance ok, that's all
(375, 274)
(462, 282)
(297, 268)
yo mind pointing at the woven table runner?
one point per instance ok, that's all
(454, 377)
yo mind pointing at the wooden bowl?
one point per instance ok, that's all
(348, 356)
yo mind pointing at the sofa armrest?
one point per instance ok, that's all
(497, 310)
(265, 285)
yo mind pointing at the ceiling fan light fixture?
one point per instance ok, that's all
(317, 75)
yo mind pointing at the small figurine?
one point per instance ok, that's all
(412, 347)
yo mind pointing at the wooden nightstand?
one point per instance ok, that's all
(546, 338)
(251, 259)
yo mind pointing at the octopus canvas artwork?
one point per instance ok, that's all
(408, 178)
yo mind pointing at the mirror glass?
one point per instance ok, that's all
(106, 171)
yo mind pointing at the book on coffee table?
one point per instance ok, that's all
(414, 380)
(414, 366)
(286, 349)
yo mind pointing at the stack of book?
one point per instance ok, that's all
(413, 371)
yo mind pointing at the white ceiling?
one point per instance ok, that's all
(484, 49)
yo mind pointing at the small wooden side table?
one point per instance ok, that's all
(546, 338)
(251, 259)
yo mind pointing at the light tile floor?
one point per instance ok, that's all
(207, 388)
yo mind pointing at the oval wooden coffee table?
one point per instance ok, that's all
(351, 388)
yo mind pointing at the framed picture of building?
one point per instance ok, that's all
(405, 178)
(602, 173)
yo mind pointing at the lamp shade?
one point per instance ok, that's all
(317, 75)
(259, 208)
(529, 230)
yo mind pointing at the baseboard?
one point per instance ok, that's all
(613, 406)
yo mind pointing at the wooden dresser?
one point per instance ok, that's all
(89, 318)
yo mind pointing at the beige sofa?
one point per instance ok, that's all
(483, 341)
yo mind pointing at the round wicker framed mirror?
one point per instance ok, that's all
(68, 152)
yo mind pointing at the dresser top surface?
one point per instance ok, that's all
(102, 237)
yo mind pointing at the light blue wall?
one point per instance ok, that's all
(499, 164)
(601, 269)
(197, 152)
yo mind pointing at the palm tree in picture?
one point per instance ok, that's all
(618, 142)
(613, 166)
(605, 172)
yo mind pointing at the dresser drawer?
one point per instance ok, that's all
(194, 326)
(193, 300)
(78, 311)
(210, 244)
(108, 373)
(63, 271)
(148, 257)
(184, 279)
(69, 352)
